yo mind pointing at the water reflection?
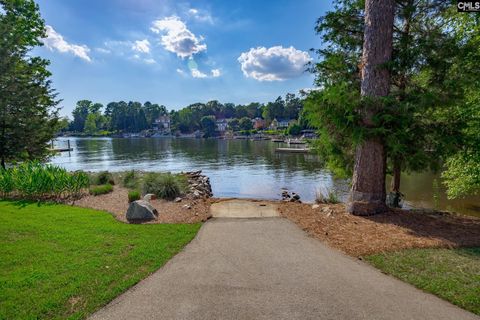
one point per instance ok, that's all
(239, 168)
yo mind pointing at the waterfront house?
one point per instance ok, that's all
(281, 124)
(258, 123)
(221, 125)
(163, 124)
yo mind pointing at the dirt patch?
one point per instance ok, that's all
(116, 202)
(396, 230)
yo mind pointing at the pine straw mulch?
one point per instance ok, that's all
(396, 230)
(116, 203)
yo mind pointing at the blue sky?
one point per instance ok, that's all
(176, 53)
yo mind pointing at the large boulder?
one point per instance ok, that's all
(141, 210)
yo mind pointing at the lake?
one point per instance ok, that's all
(241, 168)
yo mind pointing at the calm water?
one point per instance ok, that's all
(239, 168)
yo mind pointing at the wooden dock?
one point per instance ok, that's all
(59, 149)
(292, 150)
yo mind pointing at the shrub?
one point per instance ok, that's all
(133, 195)
(164, 185)
(326, 196)
(130, 180)
(104, 178)
(101, 189)
(36, 181)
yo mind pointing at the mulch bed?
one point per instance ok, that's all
(396, 230)
(116, 203)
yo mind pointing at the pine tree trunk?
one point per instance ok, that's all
(397, 171)
(368, 185)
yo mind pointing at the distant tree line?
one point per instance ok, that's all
(94, 118)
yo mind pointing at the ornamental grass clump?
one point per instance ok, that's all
(164, 185)
(130, 180)
(101, 189)
(133, 195)
(37, 181)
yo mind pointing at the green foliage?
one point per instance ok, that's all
(130, 180)
(164, 185)
(245, 124)
(462, 176)
(104, 177)
(28, 113)
(55, 255)
(294, 129)
(135, 117)
(134, 195)
(234, 124)
(35, 181)
(433, 75)
(90, 124)
(101, 189)
(208, 125)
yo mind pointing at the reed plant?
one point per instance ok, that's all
(37, 181)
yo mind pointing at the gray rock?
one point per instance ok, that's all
(178, 199)
(141, 210)
(149, 197)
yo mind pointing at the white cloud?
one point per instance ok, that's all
(180, 71)
(55, 41)
(216, 73)
(142, 46)
(200, 15)
(198, 74)
(273, 64)
(177, 38)
(150, 61)
(103, 50)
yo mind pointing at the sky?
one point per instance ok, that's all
(177, 53)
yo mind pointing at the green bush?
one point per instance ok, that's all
(133, 195)
(101, 189)
(130, 180)
(103, 178)
(164, 185)
(37, 181)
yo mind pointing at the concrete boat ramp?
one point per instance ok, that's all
(248, 263)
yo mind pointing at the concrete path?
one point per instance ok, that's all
(244, 209)
(268, 268)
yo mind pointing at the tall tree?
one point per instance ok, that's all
(208, 126)
(368, 194)
(28, 113)
(80, 114)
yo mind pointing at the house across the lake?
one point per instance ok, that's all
(162, 124)
(280, 124)
(221, 125)
(258, 123)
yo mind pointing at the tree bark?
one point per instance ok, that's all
(397, 170)
(368, 193)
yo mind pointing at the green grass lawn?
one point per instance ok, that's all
(60, 262)
(453, 275)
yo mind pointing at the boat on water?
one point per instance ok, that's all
(296, 141)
